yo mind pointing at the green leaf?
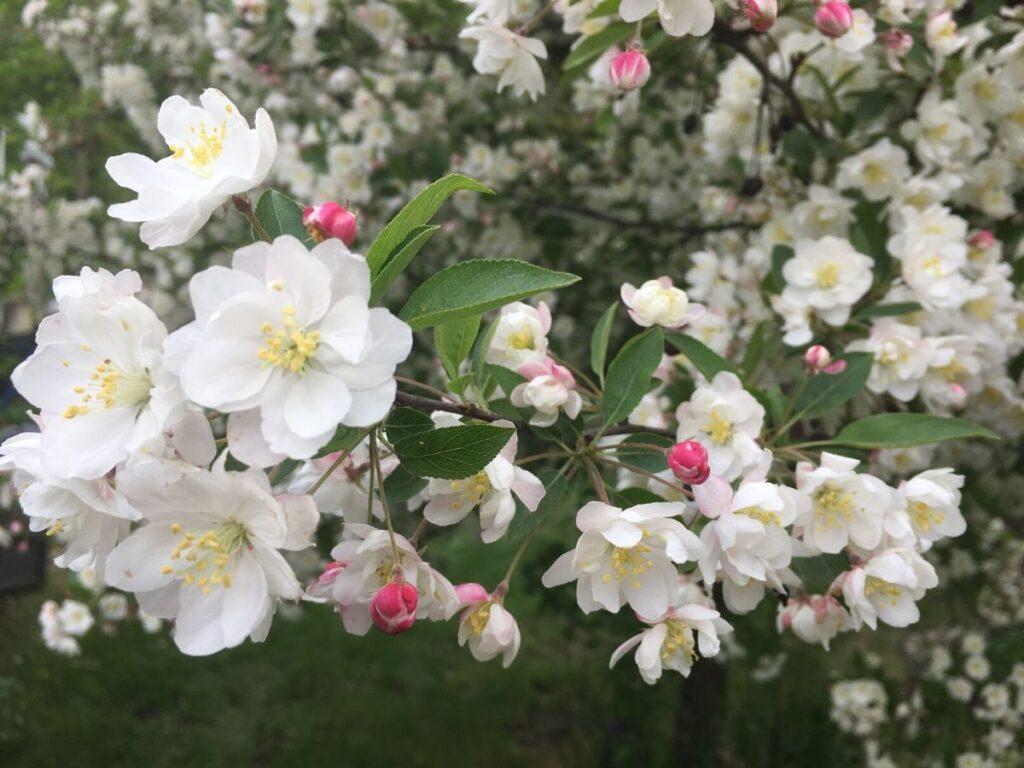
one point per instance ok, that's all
(399, 259)
(599, 340)
(452, 452)
(817, 573)
(604, 8)
(406, 422)
(345, 439)
(416, 213)
(643, 458)
(773, 402)
(890, 310)
(827, 391)
(402, 485)
(596, 44)
(507, 378)
(904, 430)
(471, 287)
(280, 215)
(774, 283)
(479, 363)
(629, 375)
(454, 340)
(708, 362)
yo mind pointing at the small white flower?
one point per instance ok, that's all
(75, 618)
(877, 171)
(551, 388)
(846, 507)
(887, 588)
(678, 17)
(487, 626)
(214, 154)
(658, 302)
(113, 606)
(933, 503)
(364, 562)
(814, 619)
(673, 639)
(491, 489)
(626, 556)
(286, 343)
(500, 51)
(827, 275)
(901, 358)
(725, 419)
(209, 556)
(520, 336)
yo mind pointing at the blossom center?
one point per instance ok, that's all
(761, 515)
(924, 516)
(288, 347)
(471, 490)
(679, 638)
(202, 149)
(629, 562)
(478, 618)
(204, 559)
(832, 505)
(521, 339)
(827, 274)
(720, 429)
(884, 589)
(110, 387)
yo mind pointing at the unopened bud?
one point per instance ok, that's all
(819, 360)
(982, 240)
(834, 18)
(330, 219)
(629, 70)
(393, 609)
(760, 13)
(957, 396)
(897, 41)
(688, 461)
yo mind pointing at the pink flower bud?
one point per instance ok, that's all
(760, 13)
(330, 219)
(834, 18)
(982, 240)
(957, 396)
(629, 70)
(897, 41)
(393, 609)
(817, 357)
(688, 461)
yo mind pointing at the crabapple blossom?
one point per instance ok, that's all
(887, 588)
(819, 360)
(933, 503)
(678, 17)
(550, 388)
(901, 358)
(520, 335)
(89, 516)
(209, 556)
(626, 556)
(846, 507)
(288, 331)
(726, 420)
(97, 375)
(345, 491)
(486, 625)
(214, 155)
(658, 302)
(493, 489)
(760, 13)
(673, 639)
(813, 618)
(878, 171)
(511, 56)
(364, 561)
(827, 275)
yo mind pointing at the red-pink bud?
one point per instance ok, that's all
(393, 609)
(330, 219)
(629, 70)
(817, 357)
(760, 13)
(983, 240)
(834, 18)
(897, 41)
(688, 461)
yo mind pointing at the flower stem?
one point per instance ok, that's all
(244, 207)
(375, 465)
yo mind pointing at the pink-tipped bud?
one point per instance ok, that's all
(982, 240)
(688, 461)
(817, 357)
(760, 13)
(957, 396)
(834, 18)
(393, 609)
(629, 70)
(330, 219)
(897, 41)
